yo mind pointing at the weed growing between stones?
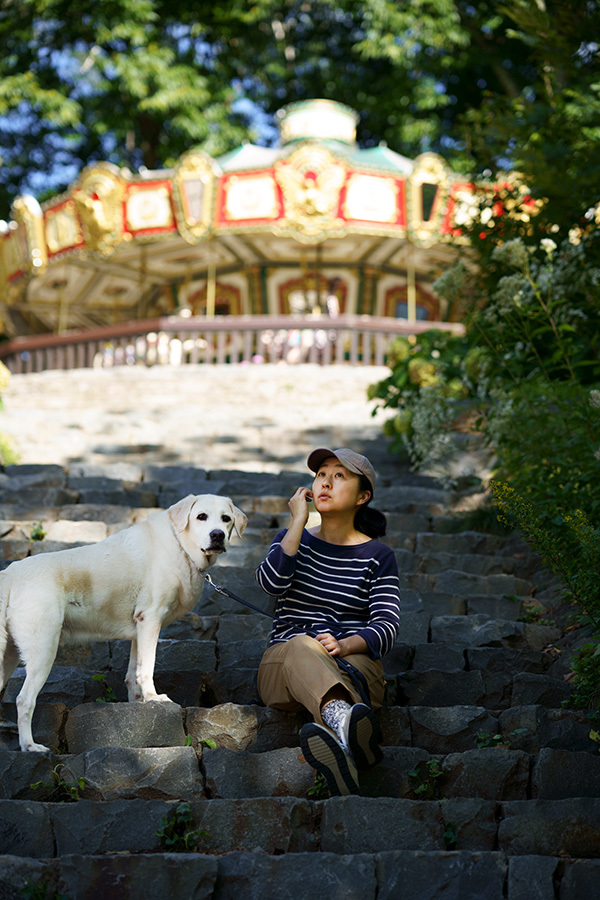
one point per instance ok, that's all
(40, 890)
(177, 833)
(318, 790)
(37, 532)
(485, 739)
(450, 836)
(423, 778)
(108, 695)
(59, 790)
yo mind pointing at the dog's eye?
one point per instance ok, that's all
(226, 518)
(202, 516)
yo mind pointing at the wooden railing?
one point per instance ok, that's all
(354, 340)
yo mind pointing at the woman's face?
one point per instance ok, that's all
(336, 489)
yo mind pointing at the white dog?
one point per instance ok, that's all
(127, 586)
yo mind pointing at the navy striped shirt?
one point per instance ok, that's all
(340, 589)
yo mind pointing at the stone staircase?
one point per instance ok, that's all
(489, 788)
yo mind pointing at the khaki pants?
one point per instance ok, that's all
(299, 672)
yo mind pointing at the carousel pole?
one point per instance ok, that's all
(211, 287)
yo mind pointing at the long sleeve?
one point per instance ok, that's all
(384, 609)
(276, 573)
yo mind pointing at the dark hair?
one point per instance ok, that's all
(368, 520)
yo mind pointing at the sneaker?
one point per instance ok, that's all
(362, 735)
(324, 753)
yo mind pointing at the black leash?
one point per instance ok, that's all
(357, 677)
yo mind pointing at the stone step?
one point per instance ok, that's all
(410, 874)
(113, 773)
(342, 825)
(437, 730)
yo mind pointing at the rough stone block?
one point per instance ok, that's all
(415, 875)
(68, 685)
(237, 727)
(395, 726)
(473, 821)
(48, 725)
(580, 880)
(441, 688)
(495, 606)
(506, 660)
(153, 724)
(125, 773)
(274, 824)
(200, 628)
(96, 656)
(540, 636)
(451, 729)
(258, 876)
(374, 824)
(70, 532)
(20, 771)
(154, 876)
(551, 827)
(532, 877)
(537, 727)
(25, 829)
(230, 685)
(476, 631)
(390, 778)
(560, 774)
(491, 773)
(539, 690)
(434, 656)
(239, 580)
(246, 654)
(94, 826)
(18, 874)
(399, 659)
(92, 512)
(240, 627)
(414, 627)
(233, 774)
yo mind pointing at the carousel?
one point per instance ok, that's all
(314, 226)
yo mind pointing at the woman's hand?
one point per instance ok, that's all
(343, 646)
(331, 644)
(298, 505)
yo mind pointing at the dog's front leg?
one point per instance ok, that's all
(133, 689)
(147, 629)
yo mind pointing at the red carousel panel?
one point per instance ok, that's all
(248, 199)
(148, 208)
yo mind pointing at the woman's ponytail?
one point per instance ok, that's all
(368, 520)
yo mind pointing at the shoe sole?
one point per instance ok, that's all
(323, 753)
(364, 735)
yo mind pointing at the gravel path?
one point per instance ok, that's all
(255, 418)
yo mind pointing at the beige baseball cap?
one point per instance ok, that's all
(356, 463)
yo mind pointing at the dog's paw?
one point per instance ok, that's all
(160, 698)
(35, 748)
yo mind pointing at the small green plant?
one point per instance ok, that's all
(40, 890)
(188, 741)
(485, 739)
(450, 836)
(586, 682)
(59, 790)
(208, 742)
(177, 832)
(423, 778)
(108, 695)
(37, 532)
(318, 790)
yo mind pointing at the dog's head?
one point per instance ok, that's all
(204, 524)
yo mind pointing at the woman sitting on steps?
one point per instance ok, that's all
(338, 594)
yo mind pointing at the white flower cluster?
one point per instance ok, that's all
(595, 399)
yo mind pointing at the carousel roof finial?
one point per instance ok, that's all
(321, 120)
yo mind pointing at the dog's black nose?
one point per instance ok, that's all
(217, 536)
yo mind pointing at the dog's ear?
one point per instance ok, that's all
(179, 513)
(240, 520)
